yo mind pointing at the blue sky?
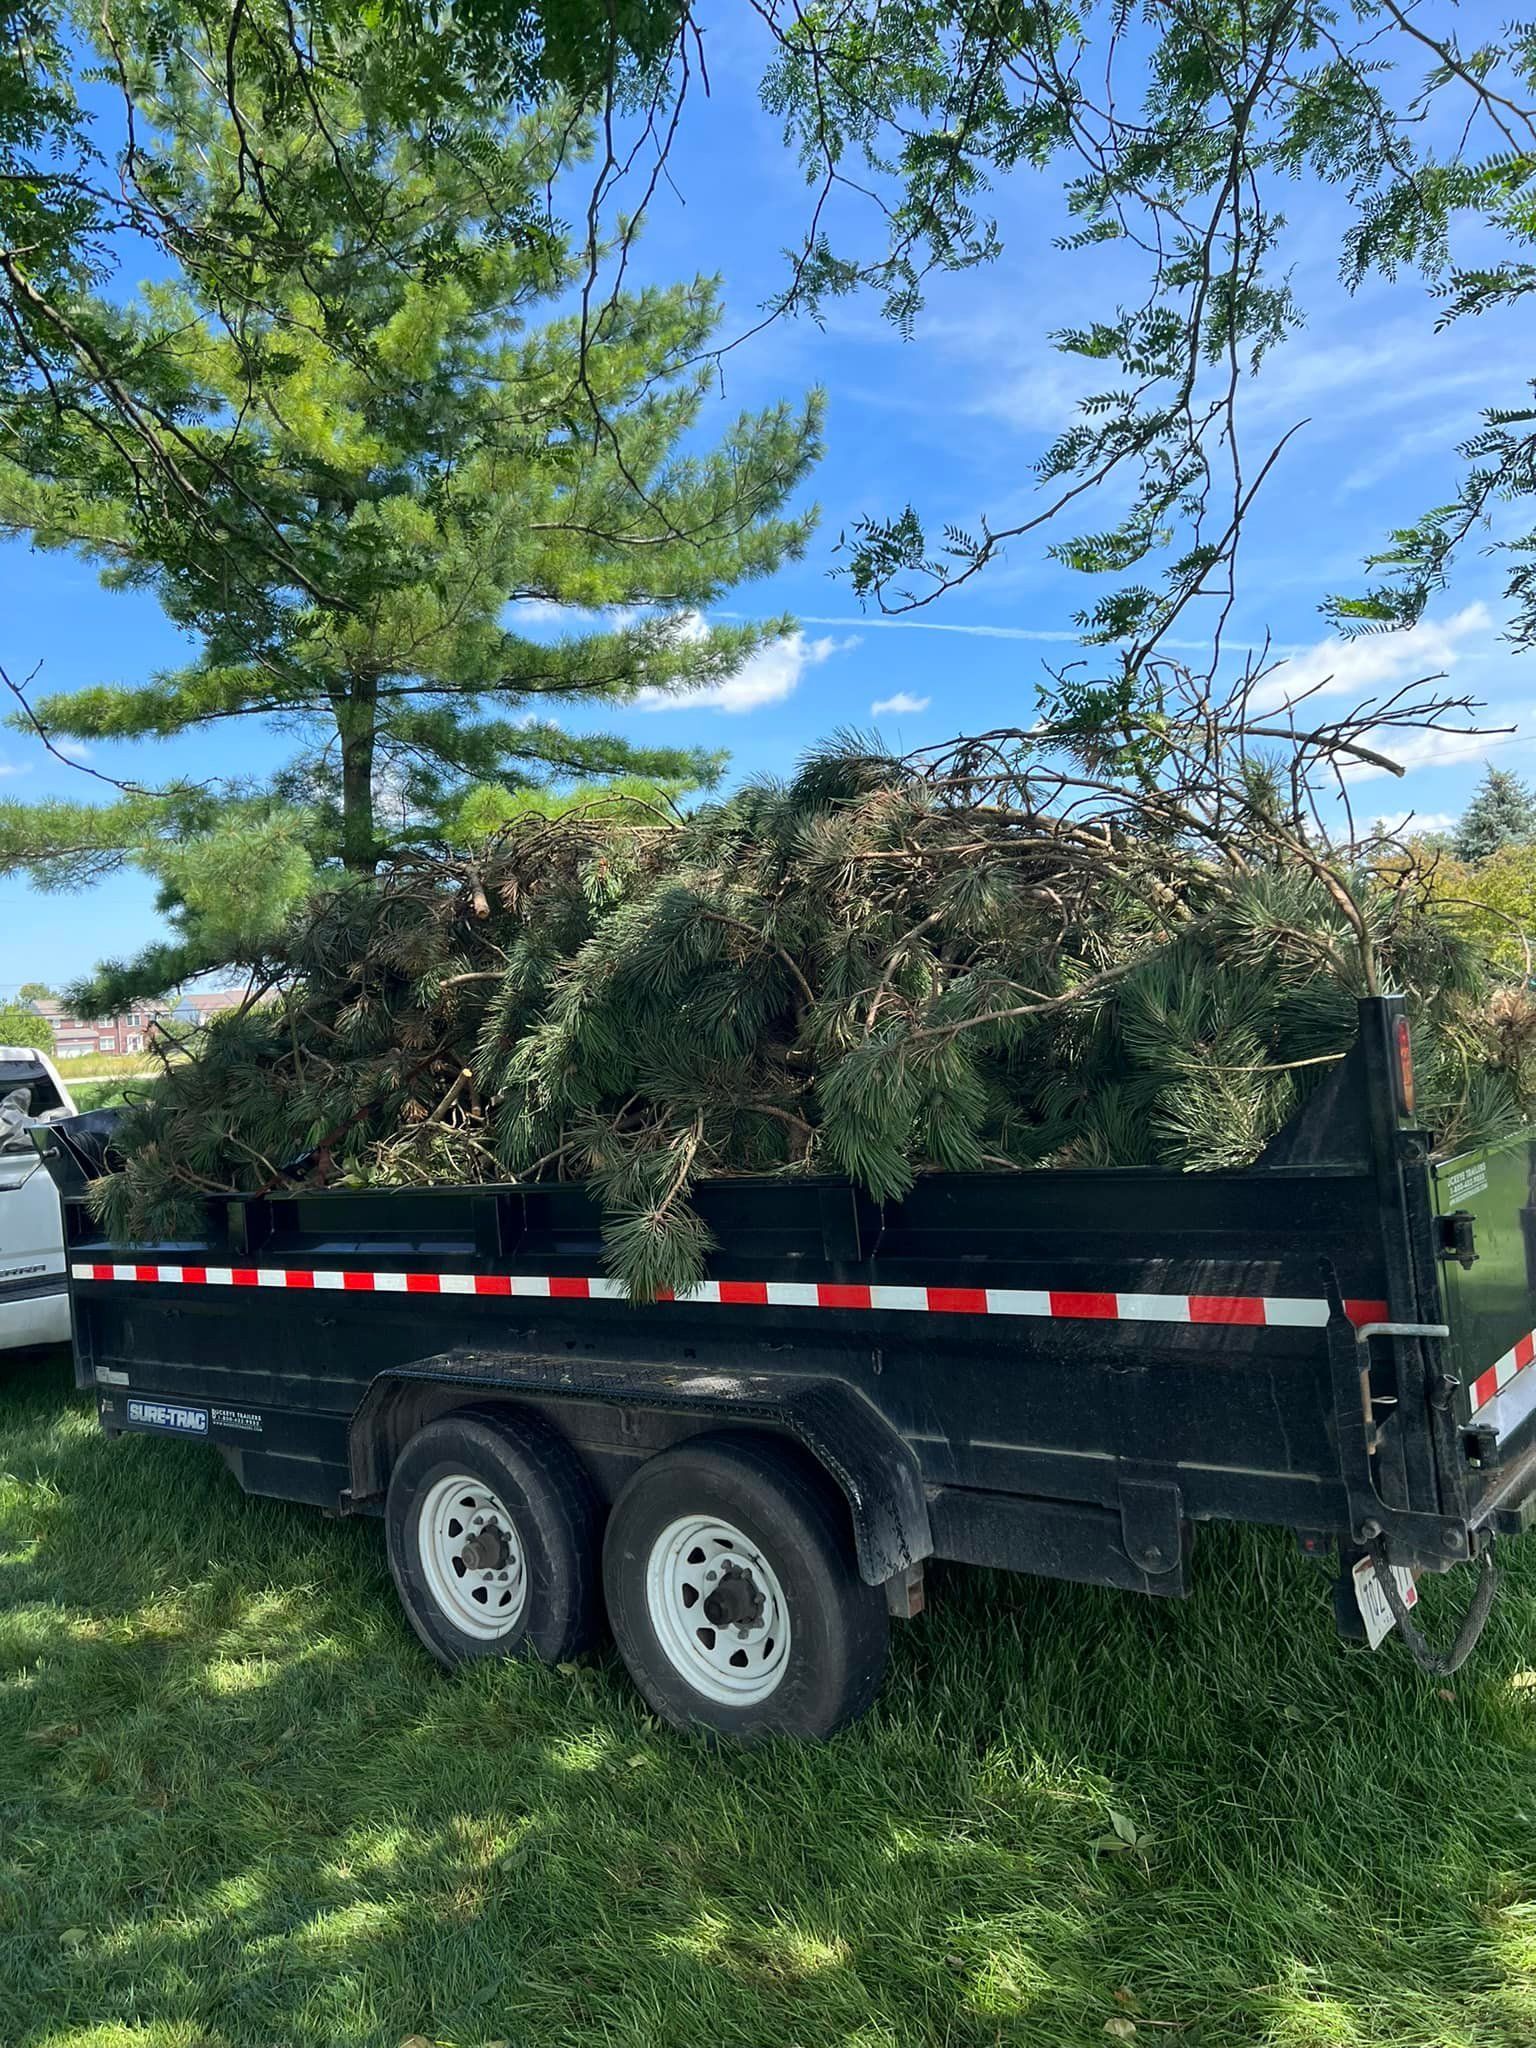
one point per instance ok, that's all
(952, 419)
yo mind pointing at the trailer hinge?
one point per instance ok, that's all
(1151, 1524)
(1480, 1446)
(1457, 1237)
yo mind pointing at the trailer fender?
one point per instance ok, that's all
(874, 1469)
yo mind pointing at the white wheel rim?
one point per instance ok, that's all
(471, 1557)
(718, 1610)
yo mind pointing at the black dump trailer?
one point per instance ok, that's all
(1056, 1372)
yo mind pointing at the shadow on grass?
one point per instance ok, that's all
(239, 1806)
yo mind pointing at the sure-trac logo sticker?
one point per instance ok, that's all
(169, 1415)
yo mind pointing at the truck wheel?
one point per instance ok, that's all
(734, 1596)
(492, 1527)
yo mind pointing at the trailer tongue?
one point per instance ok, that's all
(1062, 1373)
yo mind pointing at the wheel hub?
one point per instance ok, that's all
(737, 1600)
(488, 1550)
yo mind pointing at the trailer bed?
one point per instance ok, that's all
(1064, 1373)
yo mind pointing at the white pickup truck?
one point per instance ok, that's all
(34, 1302)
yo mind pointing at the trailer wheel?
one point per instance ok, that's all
(492, 1528)
(733, 1593)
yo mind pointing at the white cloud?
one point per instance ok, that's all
(771, 674)
(1018, 375)
(538, 611)
(1309, 369)
(1401, 366)
(1362, 668)
(689, 627)
(1037, 395)
(1406, 447)
(1417, 824)
(903, 701)
(77, 750)
(14, 768)
(1444, 749)
(575, 618)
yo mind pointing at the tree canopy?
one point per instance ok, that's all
(21, 1025)
(294, 166)
(373, 461)
(1180, 130)
(1177, 131)
(71, 210)
(1502, 813)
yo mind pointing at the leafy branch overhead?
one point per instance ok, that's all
(295, 104)
(1175, 137)
(1185, 143)
(1180, 133)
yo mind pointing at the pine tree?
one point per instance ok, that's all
(70, 214)
(1502, 813)
(373, 491)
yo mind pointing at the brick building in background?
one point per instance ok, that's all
(131, 1031)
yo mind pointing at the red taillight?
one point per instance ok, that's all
(1405, 1066)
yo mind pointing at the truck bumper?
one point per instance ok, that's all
(35, 1314)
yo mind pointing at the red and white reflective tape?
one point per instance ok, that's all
(1502, 1371)
(1255, 1311)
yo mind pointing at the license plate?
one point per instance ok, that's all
(1374, 1611)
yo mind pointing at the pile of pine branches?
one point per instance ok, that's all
(878, 969)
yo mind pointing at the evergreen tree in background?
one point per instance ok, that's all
(1501, 813)
(385, 458)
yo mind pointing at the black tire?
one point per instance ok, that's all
(553, 1509)
(790, 1513)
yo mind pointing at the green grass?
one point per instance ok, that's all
(239, 1808)
(97, 1094)
(118, 1066)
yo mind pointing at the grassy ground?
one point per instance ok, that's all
(100, 1094)
(103, 1066)
(240, 1809)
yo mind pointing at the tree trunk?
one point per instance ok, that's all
(355, 715)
